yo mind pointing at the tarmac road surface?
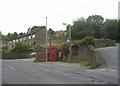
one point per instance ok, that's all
(28, 72)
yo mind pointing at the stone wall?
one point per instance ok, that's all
(104, 42)
(83, 52)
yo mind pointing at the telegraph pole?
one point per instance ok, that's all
(69, 40)
(70, 47)
(46, 42)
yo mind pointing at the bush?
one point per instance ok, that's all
(22, 47)
(76, 43)
(5, 49)
(88, 40)
(37, 48)
(65, 49)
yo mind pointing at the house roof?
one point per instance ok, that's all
(21, 36)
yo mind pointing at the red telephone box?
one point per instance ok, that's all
(53, 53)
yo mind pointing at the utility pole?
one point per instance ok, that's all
(46, 42)
(70, 47)
(69, 40)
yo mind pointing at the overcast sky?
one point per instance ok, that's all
(19, 15)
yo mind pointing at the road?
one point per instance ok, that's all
(28, 72)
(109, 57)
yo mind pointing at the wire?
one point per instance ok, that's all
(72, 10)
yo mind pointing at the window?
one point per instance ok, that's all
(20, 39)
(24, 38)
(13, 41)
(33, 36)
(29, 37)
(16, 40)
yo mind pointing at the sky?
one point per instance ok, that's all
(19, 15)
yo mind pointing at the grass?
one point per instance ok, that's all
(97, 55)
(84, 63)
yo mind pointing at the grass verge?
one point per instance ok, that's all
(86, 63)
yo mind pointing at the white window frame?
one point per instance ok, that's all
(29, 37)
(20, 39)
(24, 38)
(33, 36)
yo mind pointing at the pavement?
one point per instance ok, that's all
(29, 72)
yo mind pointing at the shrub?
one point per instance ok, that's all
(22, 47)
(37, 48)
(88, 40)
(76, 43)
(65, 49)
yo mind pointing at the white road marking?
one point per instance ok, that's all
(10, 67)
(112, 70)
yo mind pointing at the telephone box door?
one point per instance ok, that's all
(53, 53)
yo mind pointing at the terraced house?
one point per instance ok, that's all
(33, 38)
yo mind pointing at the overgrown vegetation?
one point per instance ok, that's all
(86, 63)
(88, 40)
(22, 47)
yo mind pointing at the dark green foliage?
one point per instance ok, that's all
(95, 23)
(35, 28)
(95, 26)
(15, 55)
(78, 29)
(65, 49)
(76, 43)
(37, 48)
(88, 40)
(22, 47)
(110, 29)
(5, 49)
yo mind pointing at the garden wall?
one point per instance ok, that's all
(104, 43)
(14, 55)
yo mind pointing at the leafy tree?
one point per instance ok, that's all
(20, 34)
(51, 34)
(110, 29)
(35, 28)
(14, 35)
(95, 23)
(91, 26)
(9, 35)
(78, 29)
(5, 38)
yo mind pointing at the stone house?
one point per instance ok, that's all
(33, 38)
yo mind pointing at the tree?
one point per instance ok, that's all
(87, 27)
(110, 29)
(51, 34)
(14, 35)
(35, 28)
(95, 23)
(78, 29)
(9, 36)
